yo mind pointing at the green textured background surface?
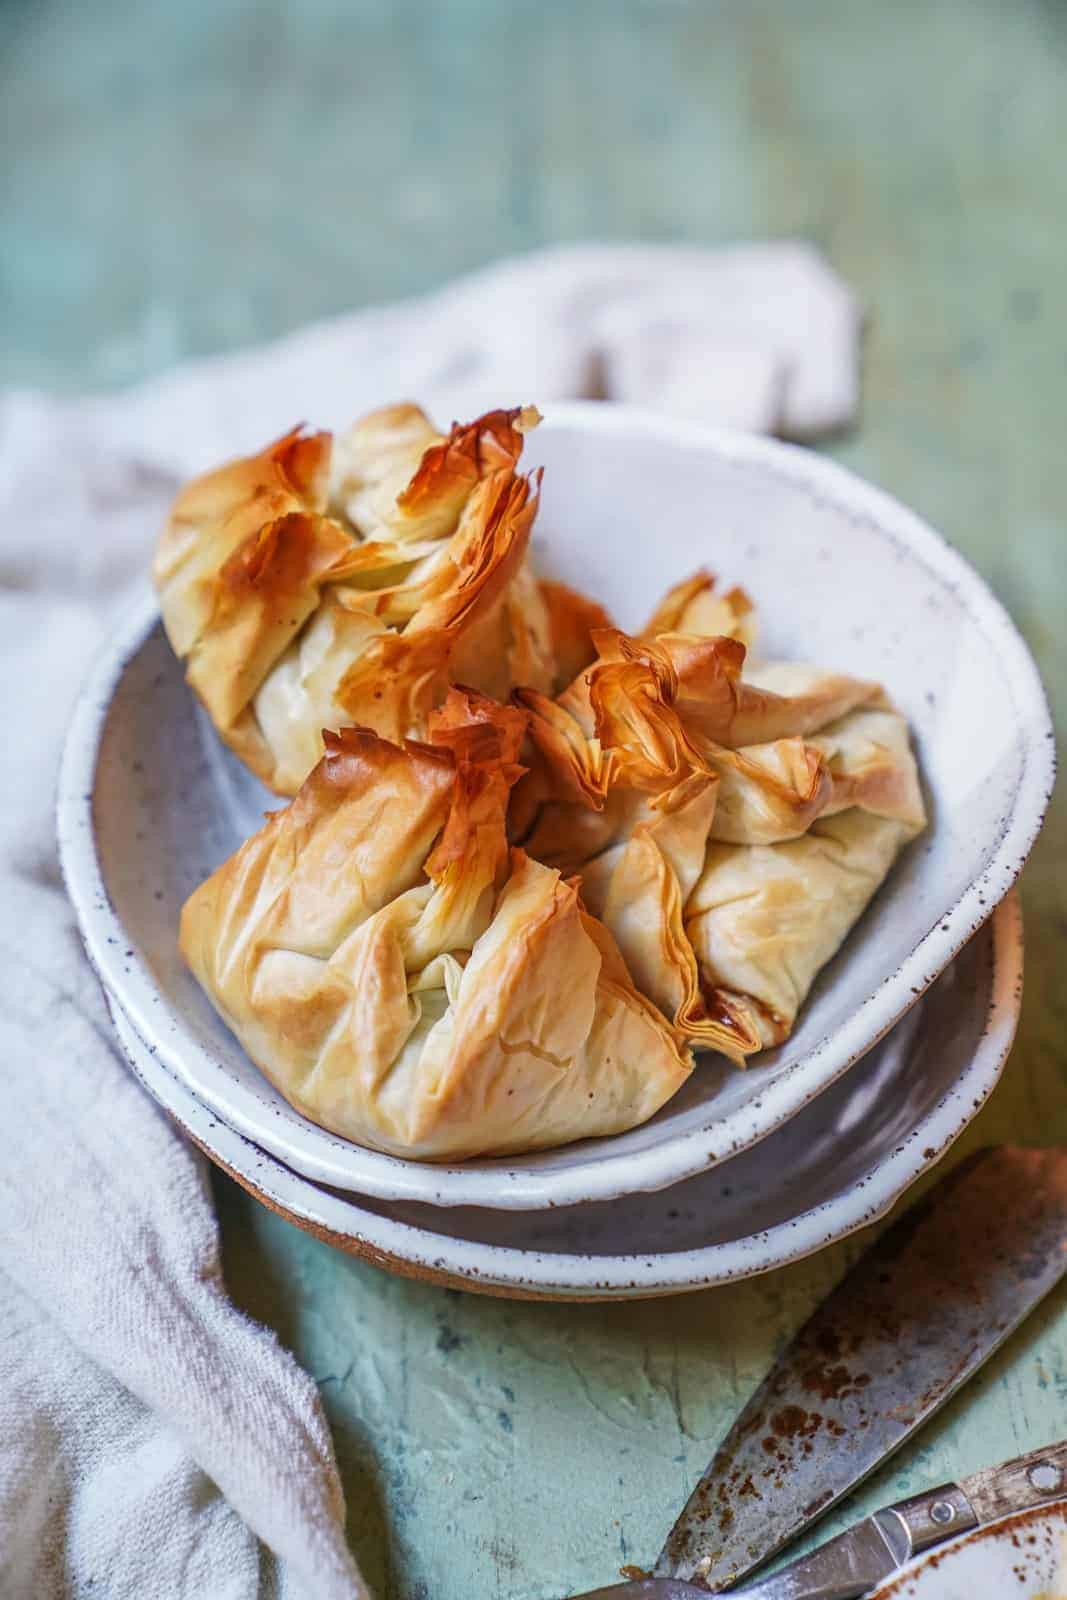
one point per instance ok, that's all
(182, 179)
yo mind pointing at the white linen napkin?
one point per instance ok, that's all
(153, 1441)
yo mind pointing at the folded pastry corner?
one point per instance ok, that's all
(409, 982)
(301, 586)
(764, 919)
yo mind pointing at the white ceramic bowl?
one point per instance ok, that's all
(837, 1165)
(150, 803)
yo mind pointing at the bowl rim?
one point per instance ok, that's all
(514, 1272)
(510, 1183)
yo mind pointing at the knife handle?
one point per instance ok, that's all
(911, 1526)
(1016, 1485)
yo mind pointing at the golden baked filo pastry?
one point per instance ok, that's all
(625, 798)
(728, 827)
(697, 605)
(321, 583)
(409, 982)
(763, 919)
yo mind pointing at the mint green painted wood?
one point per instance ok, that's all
(183, 179)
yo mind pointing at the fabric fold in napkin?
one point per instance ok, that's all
(152, 1439)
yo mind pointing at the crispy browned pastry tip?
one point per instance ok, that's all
(301, 585)
(395, 478)
(469, 453)
(397, 679)
(215, 514)
(694, 606)
(408, 981)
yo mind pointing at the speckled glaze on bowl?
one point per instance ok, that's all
(1019, 1558)
(150, 802)
(837, 1165)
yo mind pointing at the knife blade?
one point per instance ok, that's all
(937, 1294)
(865, 1555)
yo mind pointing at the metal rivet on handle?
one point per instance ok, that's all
(1045, 1477)
(942, 1512)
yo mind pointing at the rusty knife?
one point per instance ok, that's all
(920, 1312)
(865, 1556)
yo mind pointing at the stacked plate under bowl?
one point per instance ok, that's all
(904, 1036)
